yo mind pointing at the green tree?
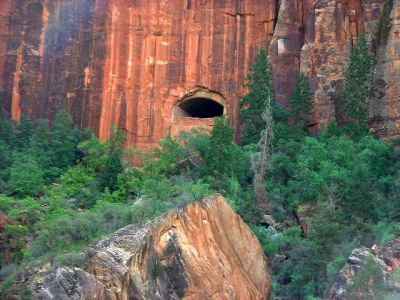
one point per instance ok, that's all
(218, 154)
(301, 101)
(94, 153)
(108, 176)
(5, 161)
(23, 131)
(7, 133)
(253, 103)
(26, 176)
(39, 143)
(63, 142)
(358, 83)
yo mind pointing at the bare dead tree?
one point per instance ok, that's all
(259, 160)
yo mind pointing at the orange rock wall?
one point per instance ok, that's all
(315, 37)
(129, 62)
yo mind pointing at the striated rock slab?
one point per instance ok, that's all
(385, 106)
(386, 258)
(204, 251)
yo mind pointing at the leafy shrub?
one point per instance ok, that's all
(26, 176)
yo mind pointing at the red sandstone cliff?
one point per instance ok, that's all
(130, 62)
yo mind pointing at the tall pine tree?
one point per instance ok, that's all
(219, 155)
(253, 103)
(108, 175)
(358, 82)
(301, 101)
(62, 146)
(23, 131)
(39, 143)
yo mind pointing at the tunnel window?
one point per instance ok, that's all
(201, 108)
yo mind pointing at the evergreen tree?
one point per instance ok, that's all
(108, 176)
(358, 83)
(301, 101)
(39, 143)
(221, 145)
(63, 144)
(253, 103)
(7, 133)
(26, 176)
(24, 131)
(5, 161)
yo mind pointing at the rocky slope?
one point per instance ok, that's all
(387, 261)
(131, 62)
(204, 251)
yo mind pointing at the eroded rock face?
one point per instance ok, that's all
(315, 37)
(387, 260)
(127, 62)
(204, 251)
(385, 106)
(131, 62)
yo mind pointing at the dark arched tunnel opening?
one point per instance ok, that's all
(201, 108)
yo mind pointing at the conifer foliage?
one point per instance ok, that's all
(253, 103)
(301, 100)
(108, 176)
(358, 82)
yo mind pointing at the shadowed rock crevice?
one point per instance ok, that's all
(173, 265)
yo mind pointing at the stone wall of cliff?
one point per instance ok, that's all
(385, 105)
(130, 62)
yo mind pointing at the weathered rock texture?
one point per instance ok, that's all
(385, 106)
(126, 62)
(204, 251)
(388, 261)
(129, 62)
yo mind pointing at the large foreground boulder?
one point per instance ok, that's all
(204, 251)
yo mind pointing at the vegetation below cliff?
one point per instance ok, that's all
(328, 194)
(63, 189)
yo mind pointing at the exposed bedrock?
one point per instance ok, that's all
(378, 268)
(204, 251)
(385, 105)
(132, 62)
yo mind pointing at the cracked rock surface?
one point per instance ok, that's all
(204, 251)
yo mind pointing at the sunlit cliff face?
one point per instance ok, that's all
(128, 62)
(131, 62)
